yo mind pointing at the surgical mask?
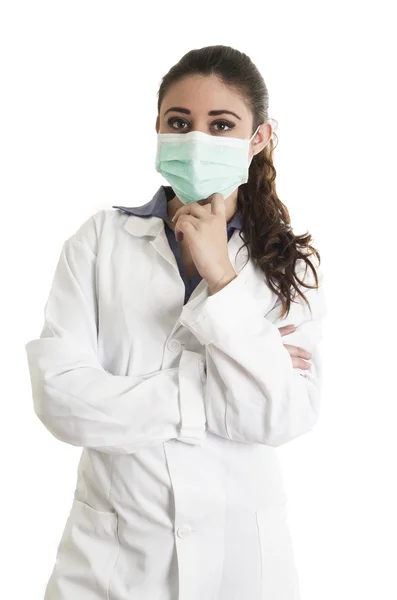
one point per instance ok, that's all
(197, 164)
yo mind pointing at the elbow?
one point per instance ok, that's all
(290, 429)
(58, 425)
(280, 438)
(58, 430)
(294, 417)
(268, 430)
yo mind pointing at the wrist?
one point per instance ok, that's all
(223, 281)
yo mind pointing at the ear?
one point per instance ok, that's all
(262, 137)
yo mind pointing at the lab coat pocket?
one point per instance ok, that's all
(86, 555)
(279, 577)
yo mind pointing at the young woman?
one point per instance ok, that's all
(180, 348)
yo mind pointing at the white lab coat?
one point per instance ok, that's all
(179, 410)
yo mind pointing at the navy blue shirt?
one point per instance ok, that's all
(157, 207)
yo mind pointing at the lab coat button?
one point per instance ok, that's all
(184, 531)
(174, 345)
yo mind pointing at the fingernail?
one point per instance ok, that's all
(309, 354)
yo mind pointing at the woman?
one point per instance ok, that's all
(164, 356)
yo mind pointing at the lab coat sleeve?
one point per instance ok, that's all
(80, 402)
(253, 392)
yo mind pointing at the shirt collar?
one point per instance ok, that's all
(157, 207)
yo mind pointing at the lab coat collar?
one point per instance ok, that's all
(155, 212)
(153, 225)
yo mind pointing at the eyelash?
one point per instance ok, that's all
(227, 123)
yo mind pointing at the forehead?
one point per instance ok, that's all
(204, 93)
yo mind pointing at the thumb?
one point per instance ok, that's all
(218, 204)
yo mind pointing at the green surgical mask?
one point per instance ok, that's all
(197, 164)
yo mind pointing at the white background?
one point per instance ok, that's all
(78, 109)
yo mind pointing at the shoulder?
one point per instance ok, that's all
(102, 223)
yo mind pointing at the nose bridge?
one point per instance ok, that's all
(202, 124)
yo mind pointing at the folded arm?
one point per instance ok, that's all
(81, 403)
(253, 392)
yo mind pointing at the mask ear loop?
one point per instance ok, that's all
(272, 122)
(274, 125)
(251, 138)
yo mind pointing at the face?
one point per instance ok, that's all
(191, 104)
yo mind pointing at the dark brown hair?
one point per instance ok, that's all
(267, 232)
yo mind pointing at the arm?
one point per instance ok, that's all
(253, 393)
(82, 404)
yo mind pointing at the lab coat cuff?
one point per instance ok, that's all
(232, 309)
(192, 381)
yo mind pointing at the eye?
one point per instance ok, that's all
(176, 120)
(224, 123)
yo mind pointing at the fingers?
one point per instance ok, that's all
(298, 351)
(299, 356)
(179, 226)
(218, 204)
(286, 329)
(215, 204)
(300, 363)
(195, 209)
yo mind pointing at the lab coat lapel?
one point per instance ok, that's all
(252, 275)
(154, 227)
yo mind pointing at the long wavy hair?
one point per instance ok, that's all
(266, 231)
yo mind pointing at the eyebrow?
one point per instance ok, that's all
(211, 113)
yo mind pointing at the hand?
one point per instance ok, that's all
(298, 355)
(203, 224)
